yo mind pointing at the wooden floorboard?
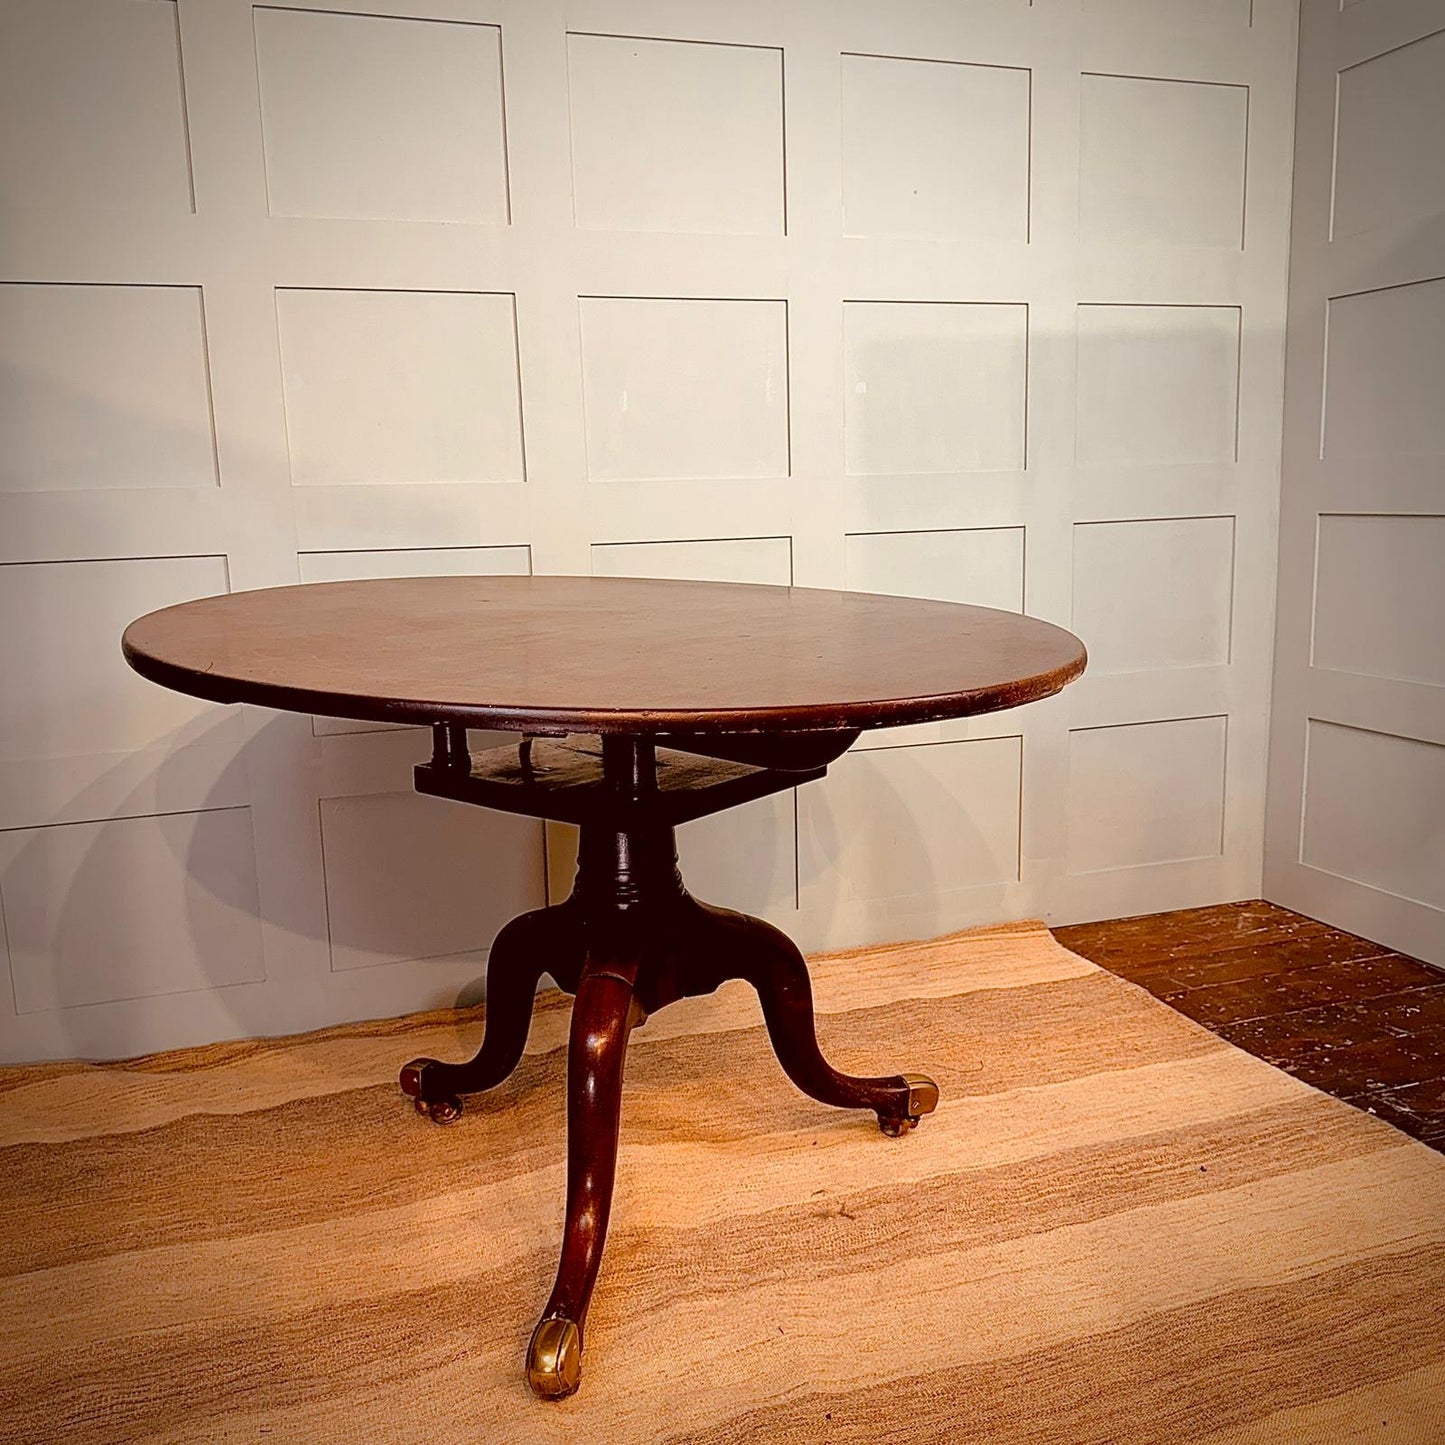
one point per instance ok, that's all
(1342, 1013)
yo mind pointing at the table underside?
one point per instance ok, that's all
(628, 941)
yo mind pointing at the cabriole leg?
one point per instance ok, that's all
(603, 1016)
(546, 940)
(769, 960)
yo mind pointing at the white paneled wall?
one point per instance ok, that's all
(1357, 756)
(980, 301)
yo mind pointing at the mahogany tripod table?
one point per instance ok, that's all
(690, 697)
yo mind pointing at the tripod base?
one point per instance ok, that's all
(629, 941)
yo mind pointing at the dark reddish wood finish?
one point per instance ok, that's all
(753, 689)
(602, 654)
(563, 781)
(549, 940)
(628, 941)
(603, 1017)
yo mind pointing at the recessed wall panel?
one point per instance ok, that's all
(371, 117)
(415, 562)
(934, 386)
(1157, 385)
(767, 560)
(1380, 597)
(679, 389)
(92, 107)
(932, 148)
(1145, 793)
(1162, 161)
(980, 565)
(1389, 168)
(67, 688)
(408, 876)
(130, 909)
(1372, 810)
(1384, 359)
(671, 136)
(400, 386)
(1154, 594)
(900, 822)
(105, 386)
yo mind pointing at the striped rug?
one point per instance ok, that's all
(1115, 1228)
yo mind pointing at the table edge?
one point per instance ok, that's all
(509, 717)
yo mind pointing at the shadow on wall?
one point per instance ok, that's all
(867, 854)
(148, 902)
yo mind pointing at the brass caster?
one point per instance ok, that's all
(554, 1359)
(922, 1095)
(922, 1099)
(440, 1111)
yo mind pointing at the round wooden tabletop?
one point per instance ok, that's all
(602, 654)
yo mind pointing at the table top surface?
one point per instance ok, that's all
(602, 654)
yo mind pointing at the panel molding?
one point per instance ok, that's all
(441, 167)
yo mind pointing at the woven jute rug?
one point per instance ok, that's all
(1115, 1228)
